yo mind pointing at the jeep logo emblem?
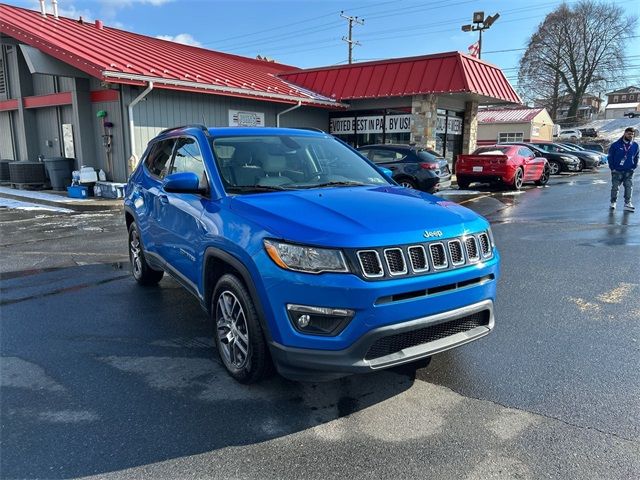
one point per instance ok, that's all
(432, 233)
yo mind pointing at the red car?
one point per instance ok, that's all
(507, 164)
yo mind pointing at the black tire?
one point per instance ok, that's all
(546, 173)
(518, 179)
(140, 269)
(555, 167)
(239, 337)
(582, 165)
(463, 183)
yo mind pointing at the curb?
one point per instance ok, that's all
(78, 206)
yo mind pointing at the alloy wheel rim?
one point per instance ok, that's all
(554, 167)
(518, 181)
(545, 175)
(406, 184)
(233, 334)
(134, 249)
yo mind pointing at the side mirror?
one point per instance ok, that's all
(183, 182)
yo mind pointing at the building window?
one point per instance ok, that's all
(510, 137)
(615, 98)
(632, 98)
(624, 97)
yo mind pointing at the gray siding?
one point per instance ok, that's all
(66, 84)
(119, 156)
(6, 142)
(164, 108)
(12, 71)
(43, 84)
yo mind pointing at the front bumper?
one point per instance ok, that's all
(310, 364)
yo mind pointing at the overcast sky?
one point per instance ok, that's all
(308, 33)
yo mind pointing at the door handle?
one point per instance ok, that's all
(163, 199)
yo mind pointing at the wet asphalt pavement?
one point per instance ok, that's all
(100, 377)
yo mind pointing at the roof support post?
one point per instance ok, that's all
(286, 111)
(133, 159)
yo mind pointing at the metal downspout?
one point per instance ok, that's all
(133, 159)
(287, 111)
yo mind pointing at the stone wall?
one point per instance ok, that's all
(470, 132)
(424, 109)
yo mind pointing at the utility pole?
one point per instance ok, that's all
(349, 40)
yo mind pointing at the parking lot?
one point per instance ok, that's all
(103, 378)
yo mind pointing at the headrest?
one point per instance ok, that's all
(274, 163)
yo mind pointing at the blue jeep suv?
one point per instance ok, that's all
(304, 254)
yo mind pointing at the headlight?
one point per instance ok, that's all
(568, 159)
(305, 259)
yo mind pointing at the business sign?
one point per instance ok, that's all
(242, 118)
(453, 125)
(373, 124)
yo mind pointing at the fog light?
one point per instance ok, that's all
(303, 320)
(319, 320)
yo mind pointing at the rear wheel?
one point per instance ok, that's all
(463, 183)
(239, 337)
(554, 167)
(407, 183)
(518, 179)
(142, 272)
(544, 178)
(582, 165)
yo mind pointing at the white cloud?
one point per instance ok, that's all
(110, 8)
(184, 38)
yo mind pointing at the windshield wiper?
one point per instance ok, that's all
(257, 188)
(338, 184)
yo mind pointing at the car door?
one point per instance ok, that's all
(155, 168)
(179, 215)
(532, 166)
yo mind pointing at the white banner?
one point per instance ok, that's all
(454, 125)
(241, 118)
(349, 125)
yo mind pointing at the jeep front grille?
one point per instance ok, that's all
(425, 257)
(418, 259)
(472, 249)
(395, 261)
(370, 263)
(438, 255)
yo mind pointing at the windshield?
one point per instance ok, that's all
(250, 164)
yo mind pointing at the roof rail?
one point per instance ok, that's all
(192, 125)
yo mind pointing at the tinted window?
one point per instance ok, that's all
(385, 156)
(491, 151)
(428, 155)
(158, 160)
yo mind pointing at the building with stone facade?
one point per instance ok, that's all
(99, 94)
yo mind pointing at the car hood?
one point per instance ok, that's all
(357, 216)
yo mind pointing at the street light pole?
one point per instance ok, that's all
(481, 24)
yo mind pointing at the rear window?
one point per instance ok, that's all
(428, 155)
(491, 151)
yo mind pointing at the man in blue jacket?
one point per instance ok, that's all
(623, 160)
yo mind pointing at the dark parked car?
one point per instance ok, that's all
(584, 154)
(601, 155)
(587, 159)
(595, 147)
(589, 132)
(632, 114)
(413, 167)
(558, 162)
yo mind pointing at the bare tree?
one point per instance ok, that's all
(576, 48)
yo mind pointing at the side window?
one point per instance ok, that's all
(365, 152)
(525, 152)
(158, 159)
(188, 158)
(385, 156)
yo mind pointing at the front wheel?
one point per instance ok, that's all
(518, 179)
(142, 272)
(407, 183)
(544, 178)
(239, 337)
(554, 168)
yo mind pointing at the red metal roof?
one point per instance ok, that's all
(125, 57)
(451, 72)
(508, 115)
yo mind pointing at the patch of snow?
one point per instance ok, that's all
(18, 205)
